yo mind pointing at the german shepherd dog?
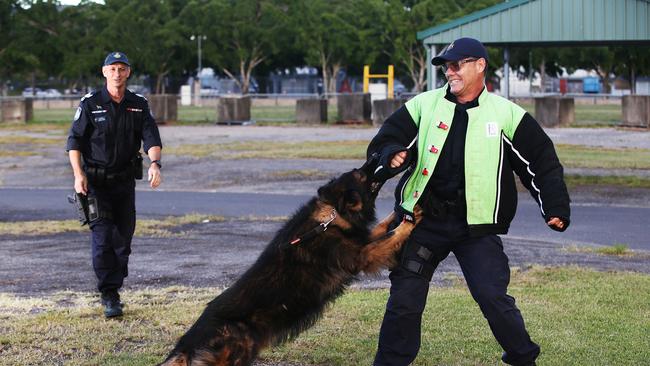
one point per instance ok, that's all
(308, 264)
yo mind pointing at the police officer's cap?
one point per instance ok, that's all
(115, 57)
(460, 49)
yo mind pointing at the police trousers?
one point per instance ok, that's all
(487, 273)
(111, 237)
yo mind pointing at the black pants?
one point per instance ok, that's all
(111, 237)
(487, 273)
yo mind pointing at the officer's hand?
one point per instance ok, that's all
(398, 159)
(556, 223)
(81, 185)
(154, 176)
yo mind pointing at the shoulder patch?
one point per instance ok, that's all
(77, 114)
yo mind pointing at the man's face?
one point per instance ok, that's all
(465, 77)
(116, 74)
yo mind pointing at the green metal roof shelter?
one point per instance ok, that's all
(529, 23)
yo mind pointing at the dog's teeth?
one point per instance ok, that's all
(285, 307)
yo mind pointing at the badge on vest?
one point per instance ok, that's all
(492, 129)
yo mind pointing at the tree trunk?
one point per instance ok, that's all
(604, 77)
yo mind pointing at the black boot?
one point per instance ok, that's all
(112, 304)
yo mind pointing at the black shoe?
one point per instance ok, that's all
(531, 363)
(112, 304)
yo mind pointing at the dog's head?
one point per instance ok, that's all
(352, 196)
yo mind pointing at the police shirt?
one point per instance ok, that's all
(109, 134)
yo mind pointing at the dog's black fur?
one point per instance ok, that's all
(286, 290)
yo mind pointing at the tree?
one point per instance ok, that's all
(240, 34)
(150, 33)
(34, 43)
(407, 17)
(82, 53)
(328, 34)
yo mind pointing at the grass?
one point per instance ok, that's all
(586, 115)
(300, 173)
(156, 228)
(166, 227)
(616, 250)
(575, 180)
(572, 156)
(590, 115)
(578, 316)
(348, 149)
(27, 140)
(578, 156)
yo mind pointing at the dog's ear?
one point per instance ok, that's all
(326, 194)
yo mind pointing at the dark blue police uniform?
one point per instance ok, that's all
(109, 136)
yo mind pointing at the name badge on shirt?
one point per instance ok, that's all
(134, 109)
(492, 129)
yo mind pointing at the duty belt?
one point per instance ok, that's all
(441, 209)
(99, 175)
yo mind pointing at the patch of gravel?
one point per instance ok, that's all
(215, 254)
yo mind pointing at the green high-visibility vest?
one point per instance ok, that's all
(489, 126)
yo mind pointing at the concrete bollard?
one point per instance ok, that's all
(555, 111)
(354, 108)
(382, 109)
(16, 110)
(164, 107)
(636, 111)
(311, 110)
(234, 110)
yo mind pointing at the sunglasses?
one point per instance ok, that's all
(456, 65)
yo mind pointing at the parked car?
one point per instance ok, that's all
(51, 93)
(139, 89)
(32, 92)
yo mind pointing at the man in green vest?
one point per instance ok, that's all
(458, 147)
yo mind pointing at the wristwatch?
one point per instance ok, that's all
(157, 162)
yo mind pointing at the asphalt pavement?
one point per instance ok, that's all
(591, 223)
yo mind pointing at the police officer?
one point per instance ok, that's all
(103, 145)
(459, 146)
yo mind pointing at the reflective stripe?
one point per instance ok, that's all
(532, 179)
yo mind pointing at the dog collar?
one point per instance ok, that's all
(315, 231)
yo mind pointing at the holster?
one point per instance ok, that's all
(87, 208)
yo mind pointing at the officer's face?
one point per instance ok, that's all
(466, 78)
(116, 74)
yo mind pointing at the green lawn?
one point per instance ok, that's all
(578, 316)
(590, 115)
(587, 115)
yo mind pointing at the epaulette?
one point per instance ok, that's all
(141, 96)
(88, 95)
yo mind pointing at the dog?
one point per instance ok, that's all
(309, 263)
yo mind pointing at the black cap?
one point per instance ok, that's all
(460, 49)
(115, 57)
